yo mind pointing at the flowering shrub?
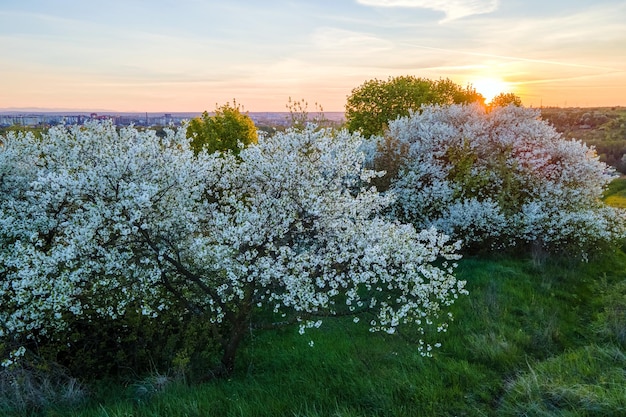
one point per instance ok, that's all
(96, 221)
(500, 178)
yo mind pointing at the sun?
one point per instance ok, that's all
(490, 87)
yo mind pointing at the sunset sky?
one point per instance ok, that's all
(188, 55)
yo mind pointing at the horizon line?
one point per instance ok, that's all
(61, 110)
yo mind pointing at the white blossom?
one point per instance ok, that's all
(501, 178)
(96, 221)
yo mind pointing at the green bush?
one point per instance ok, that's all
(228, 129)
(134, 345)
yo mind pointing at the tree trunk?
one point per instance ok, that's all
(230, 350)
(230, 343)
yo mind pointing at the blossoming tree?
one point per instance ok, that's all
(95, 221)
(499, 178)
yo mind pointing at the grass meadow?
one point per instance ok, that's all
(615, 195)
(533, 338)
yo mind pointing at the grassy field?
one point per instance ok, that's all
(530, 339)
(615, 195)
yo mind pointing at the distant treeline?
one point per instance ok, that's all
(602, 127)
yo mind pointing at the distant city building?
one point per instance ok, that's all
(138, 119)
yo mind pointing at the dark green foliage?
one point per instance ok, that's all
(134, 345)
(376, 102)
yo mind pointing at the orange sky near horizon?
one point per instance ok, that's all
(188, 56)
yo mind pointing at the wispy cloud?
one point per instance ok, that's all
(529, 81)
(513, 58)
(189, 54)
(453, 9)
(347, 41)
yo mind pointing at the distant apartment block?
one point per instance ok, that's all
(120, 119)
(47, 119)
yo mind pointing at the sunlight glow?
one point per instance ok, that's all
(491, 87)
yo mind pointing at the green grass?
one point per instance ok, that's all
(615, 195)
(528, 340)
(589, 381)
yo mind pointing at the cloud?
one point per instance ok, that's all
(453, 9)
(346, 41)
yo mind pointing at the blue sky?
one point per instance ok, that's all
(189, 55)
